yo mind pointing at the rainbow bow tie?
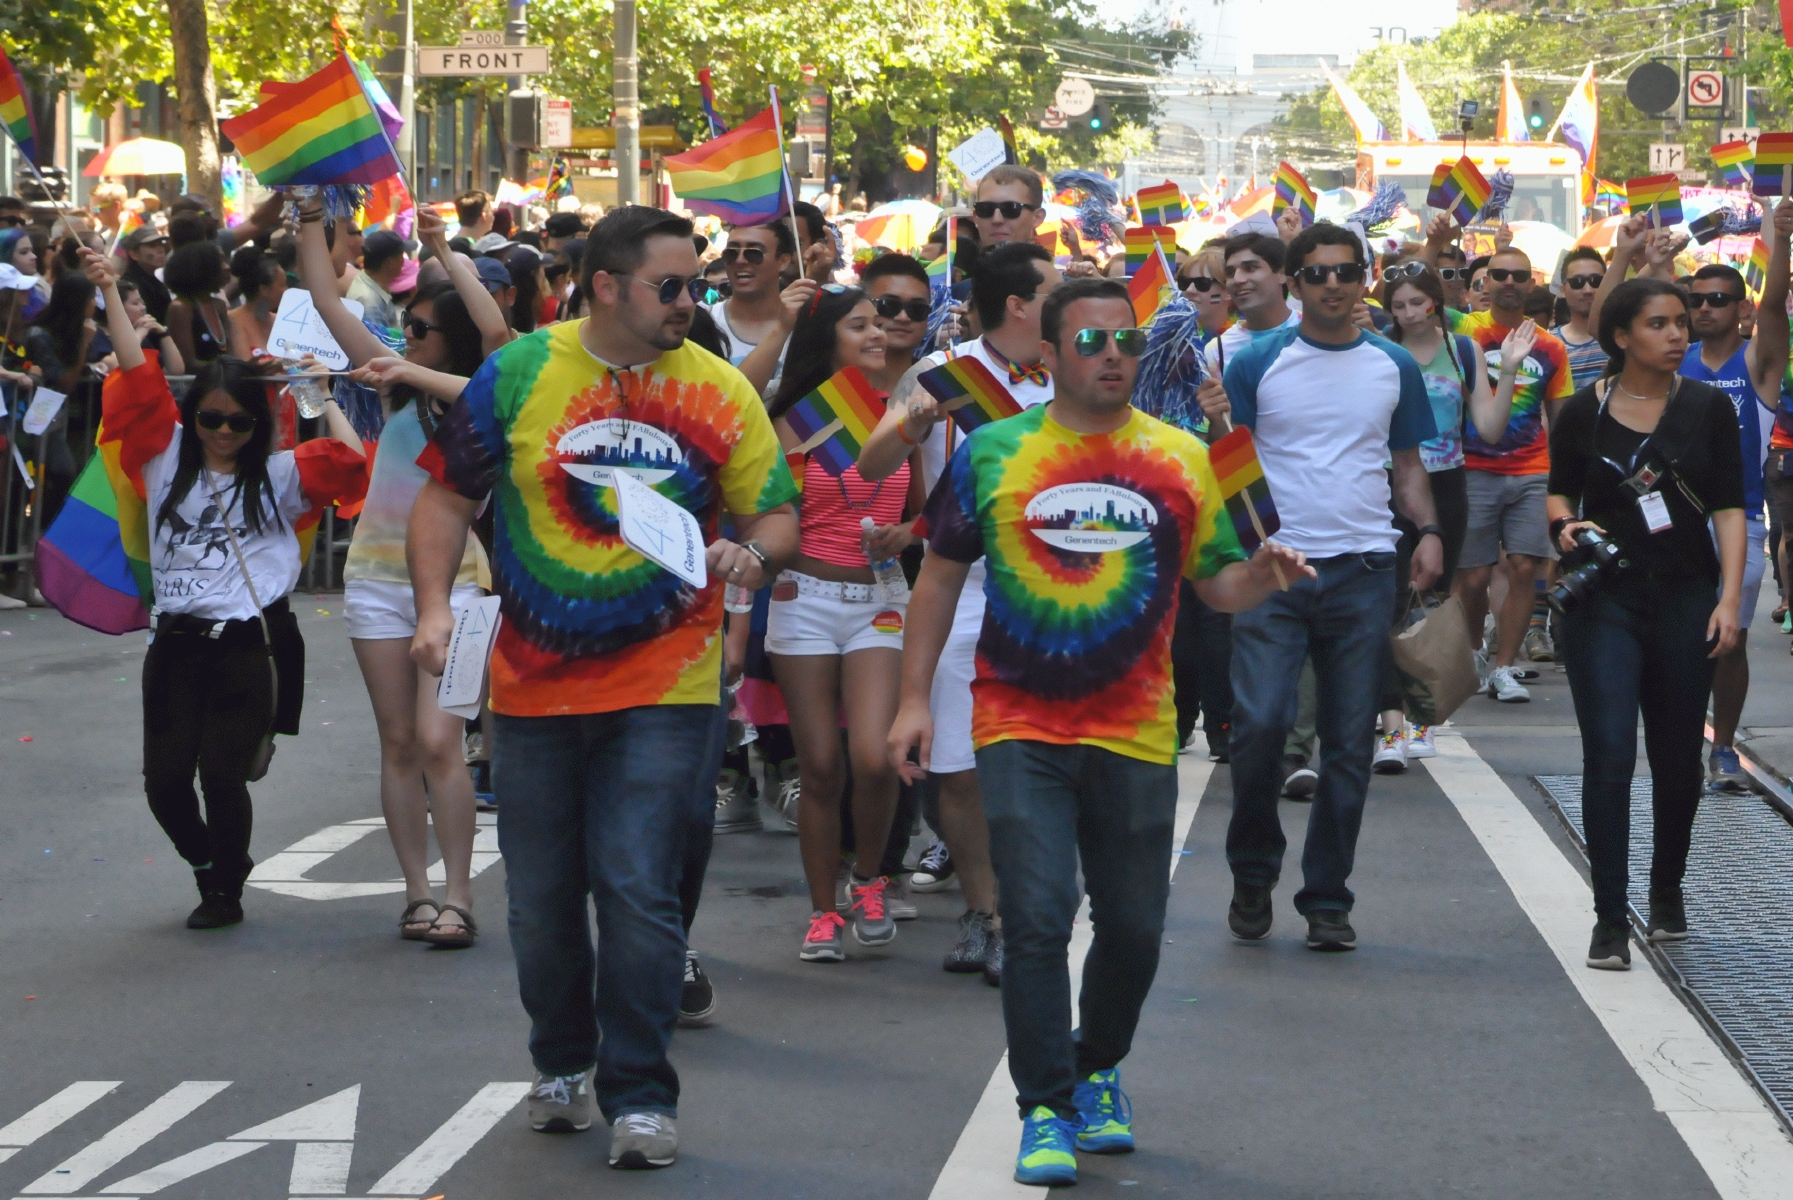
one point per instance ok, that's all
(1034, 374)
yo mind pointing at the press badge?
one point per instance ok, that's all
(1655, 511)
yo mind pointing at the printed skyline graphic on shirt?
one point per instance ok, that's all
(590, 452)
(1093, 518)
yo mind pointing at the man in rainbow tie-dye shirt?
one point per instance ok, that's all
(1088, 513)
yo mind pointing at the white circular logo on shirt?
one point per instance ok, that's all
(1529, 371)
(1090, 518)
(615, 443)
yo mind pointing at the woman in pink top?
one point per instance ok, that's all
(835, 635)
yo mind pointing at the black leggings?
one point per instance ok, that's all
(1450, 499)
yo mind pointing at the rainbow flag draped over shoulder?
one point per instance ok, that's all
(1243, 487)
(15, 113)
(1734, 161)
(833, 422)
(1161, 205)
(1657, 197)
(1293, 191)
(964, 388)
(738, 177)
(323, 130)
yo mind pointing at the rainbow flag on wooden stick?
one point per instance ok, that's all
(1243, 487)
(323, 130)
(1462, 192)
(1436, 195)
(1755, 269)
(1735, 161)
(965, 389)
(1774, 163)
(1143, 240)
(1161, 205)
(1150, 285)
(1293, 191)
(1657, 197)
(834, 421)
(15, 113)
(738, 177)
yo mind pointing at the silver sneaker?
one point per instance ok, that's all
(897, 902)
(737, 809)
(1506, 689)
(561, 1103)
(790, 791)
(1537, 645)
(973, 947)
(870, 918)
(640, 1140)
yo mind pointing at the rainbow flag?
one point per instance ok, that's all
(834, 421)
(1143, 240)
(1293, 191)
(1243, 487)
(1734, 161)
(1436, 196)
(1161, 205)
(1611, 194)
(738, 177)
(1658, 198)
(560, 180)
(15, 113)
(1011, 152)
(325, 129)
(965, 388)
(1149, 286)
(1774, 152)
(1755, 270)
(1463, 191)
(708, 94)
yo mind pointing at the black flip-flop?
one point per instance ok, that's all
(405, 919)
(452, 937)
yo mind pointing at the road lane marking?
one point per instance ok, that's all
(331, 1119)
(320, 1168)
(420, 1169)
(123, 1140)
(185, 1167)
(1729, 1130)
(982, 1164)
(284, 873)
(53, 1112)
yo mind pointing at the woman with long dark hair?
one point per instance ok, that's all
(1645, 458)
(195, 274)
(60, 345)
(224, 519)
(448, 329)
(835, 635)
(261, 282)
(18, 250)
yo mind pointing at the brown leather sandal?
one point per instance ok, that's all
(452, 937)
(405, 920)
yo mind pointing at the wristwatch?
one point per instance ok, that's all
(759, 552)
(1431, 529)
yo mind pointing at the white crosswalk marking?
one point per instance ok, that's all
(184, 1167)
(51, 1113)
(418, 1170)
(90, 1162)
(285, 873)
(321, 1168)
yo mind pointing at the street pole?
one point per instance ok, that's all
(516, 33)
(407, 103)
(627, 118)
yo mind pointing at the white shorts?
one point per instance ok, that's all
(950, 701)
(378, 609)
(1755, 566)
(811, 616)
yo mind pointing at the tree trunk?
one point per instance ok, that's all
(198, 95)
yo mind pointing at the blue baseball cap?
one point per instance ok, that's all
(494, 274)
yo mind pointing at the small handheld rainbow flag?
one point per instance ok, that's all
(15, 114)
(738, 177)
(1011, 151)
(1774, 163)
(1657, 197)
(1142, 240)
(708, 93)
(965, 388)
(834, 421)
(1436, 196)
(1463, 191)
(1149, 286)
(1734, 160)
(1293, 191)
(1161, 205)
(1755, 270)
(1243, 487)
(1608, 193)
(322, 130)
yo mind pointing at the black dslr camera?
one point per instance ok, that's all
(1600, 558)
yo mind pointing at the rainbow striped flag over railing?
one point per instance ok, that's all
(833, 422)
(323, 130)
(1142, 240)
(15, 113)
(1658, 197)
(965, 389)
(1734, 160)
(1293, 191)
(1243, 487)
(738, 177)
(1161, 205)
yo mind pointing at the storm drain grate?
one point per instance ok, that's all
(1737, 967)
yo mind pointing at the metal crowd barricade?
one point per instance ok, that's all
(20, 515)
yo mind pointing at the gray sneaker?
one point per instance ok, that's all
(897, 902)
(789, 792)
(968, 953)
(641, 1140)
(561, 1103)
(737, 809)
(872, 925)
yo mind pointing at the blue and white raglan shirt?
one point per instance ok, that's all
(1325, 419)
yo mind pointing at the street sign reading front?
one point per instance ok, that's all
(482, 60)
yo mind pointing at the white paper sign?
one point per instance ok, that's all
(24, 471)
(298, 330)
(659, 530)
(464, 671)
(45, 404)
(978, 154)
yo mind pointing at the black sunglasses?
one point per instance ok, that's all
(1506, 275)
(755, 255)
(1577, 282)
(668, 289)
(1714, 299)
(419, 328)
(889, 307)
(1090, 342)
(1200, 283)
(1452, 274)
(1316, 274)
(211, 418)
(1010, 209)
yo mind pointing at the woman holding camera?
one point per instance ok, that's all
(1642, 460)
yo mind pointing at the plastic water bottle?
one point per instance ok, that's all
(736, 599)
(888, 580)
(309, 394)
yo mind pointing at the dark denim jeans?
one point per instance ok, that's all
(1639, 646)
(1048, 807)
(601, 805)
(1201, 655)
(1341, 619)
(700, 827)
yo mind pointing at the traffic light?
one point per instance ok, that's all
(1536, 120)
(1098, 117)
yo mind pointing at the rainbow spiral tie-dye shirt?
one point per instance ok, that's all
(1086, 537)
(591, 626)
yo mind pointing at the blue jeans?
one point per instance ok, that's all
(601, 805)
(1639, 645)
(1047, 807)
(1341, 619)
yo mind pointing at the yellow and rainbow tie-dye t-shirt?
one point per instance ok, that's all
(590, 625)
(1086, 537)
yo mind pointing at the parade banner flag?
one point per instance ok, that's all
(1368, 125)
(1148, 286)
(1142, 240)
(738, 177)
(834, 421)
(1293, 191)
(1755, 269)
(1416, 122)
(1735, 163)
(1161, 205)
(1774, 163)
(322, 130)
(1463, 191)
(1657, 197)
(1243, 487)
(965, 388)
(1509, 119)
(15, 113)
(717, 128)
(1580, 119)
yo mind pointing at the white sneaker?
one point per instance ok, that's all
(1420, 744)
(641, 1140)
(1503, 687)
(561, 1103)
(1481, 669)
(1391, 754)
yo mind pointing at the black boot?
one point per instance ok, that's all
(220, 905)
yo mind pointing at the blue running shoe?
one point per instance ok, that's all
(1047, 1158)
(1107, 1117)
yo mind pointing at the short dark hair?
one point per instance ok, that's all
(617, 244)
(1479, 263)
(1583, 254)
(1066, 294)
(782, 237)
(1320, 233)
(893, 264)
(813, 220)
(1004, 271)
(1010, 173)
(1621, 309)
(196, 269)
(1453, 252)
(379, 248)
(185, 228)
(563, 225)
(469, 207)
(1726, 273)
(1268, 248)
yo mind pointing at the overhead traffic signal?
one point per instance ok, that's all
(1099, 117)
(1536, 120)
